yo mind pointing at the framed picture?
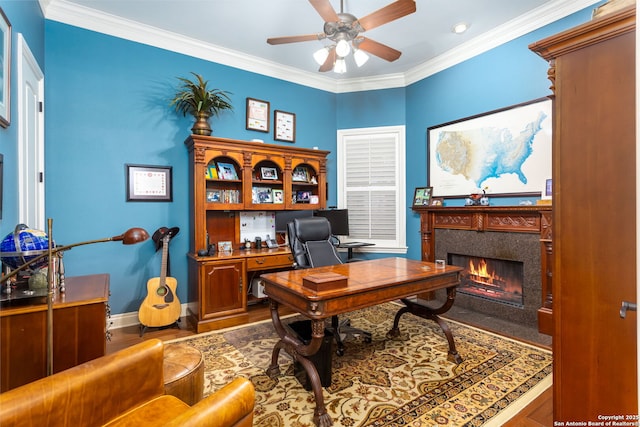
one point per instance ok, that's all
(285, 127)
(278, 196)
(422, 196)
(225, 246)
(149, 183)
(227, 171)
(5, 70)
(300, 174)
(437, 201)
(257, 115)
(213, 196)
(303, 196)
(262, 195)
(506, 151)
(269, 173)
(547, 191)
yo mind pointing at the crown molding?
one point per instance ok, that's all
(537, 18)
(90, 19)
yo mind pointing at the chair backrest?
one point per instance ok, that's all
(310, 242)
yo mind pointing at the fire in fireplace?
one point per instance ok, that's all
(491, 278)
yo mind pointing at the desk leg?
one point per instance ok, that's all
(425, 312)
(292, 345)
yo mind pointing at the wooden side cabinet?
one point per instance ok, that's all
(79, 331)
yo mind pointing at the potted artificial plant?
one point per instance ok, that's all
(195, 98)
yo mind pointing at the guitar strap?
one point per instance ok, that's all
(158, 237)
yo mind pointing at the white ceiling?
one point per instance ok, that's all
(234, 32)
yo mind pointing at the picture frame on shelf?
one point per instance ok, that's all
(5, 70)
(227, 171)
(258, 115)
(300, 174)
(225, 246)
(278, 196)
(547, 191)
(268, 173)
(437, 201)
(262, 195)
(213, 196)
(303, 196)
(422, 196)
(146, 183)
(285, 126)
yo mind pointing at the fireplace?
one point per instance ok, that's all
(510, 248)
(520, 234)
(494, 279)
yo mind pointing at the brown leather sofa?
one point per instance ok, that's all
(125, 388)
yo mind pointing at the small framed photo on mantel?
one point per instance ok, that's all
(422, 196)
(285, 126)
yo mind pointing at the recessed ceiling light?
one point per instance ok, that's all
(460, 28)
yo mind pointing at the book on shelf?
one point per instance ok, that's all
(211, 172)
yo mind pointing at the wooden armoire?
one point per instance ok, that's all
(592, 70)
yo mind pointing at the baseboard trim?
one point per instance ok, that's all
(123, 320)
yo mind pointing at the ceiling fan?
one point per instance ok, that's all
(344, 30)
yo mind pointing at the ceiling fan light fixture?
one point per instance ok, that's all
(360, 57)
(321, 55)
(340, 66)
(342, 48)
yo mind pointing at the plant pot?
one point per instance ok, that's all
(201, 126)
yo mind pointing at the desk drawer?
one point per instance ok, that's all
(269, 262)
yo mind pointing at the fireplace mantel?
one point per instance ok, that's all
(534, 219)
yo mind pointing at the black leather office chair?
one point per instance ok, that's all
(310, 240)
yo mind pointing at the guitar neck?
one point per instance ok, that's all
(163, 265)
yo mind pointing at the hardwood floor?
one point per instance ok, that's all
(538, 413)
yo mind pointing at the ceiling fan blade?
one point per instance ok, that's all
(325, 10)
(389, 13)
(328, 63)
(295, 39)
(379, 49)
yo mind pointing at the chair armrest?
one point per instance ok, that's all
(232, 405)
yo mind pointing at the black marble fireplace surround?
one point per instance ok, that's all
(524, 247)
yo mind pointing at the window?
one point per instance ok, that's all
(371, 184)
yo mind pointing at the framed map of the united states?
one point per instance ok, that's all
(506, 152)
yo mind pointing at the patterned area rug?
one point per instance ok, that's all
(406, 381)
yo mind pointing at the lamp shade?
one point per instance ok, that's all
(343, 48)
(321, 55)
(360, 57)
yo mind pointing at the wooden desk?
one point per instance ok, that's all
(79, 327)
(369, 283)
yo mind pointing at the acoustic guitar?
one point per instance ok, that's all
(161, 306)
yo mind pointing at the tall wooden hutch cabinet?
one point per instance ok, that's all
(228, 177)
(593, 74)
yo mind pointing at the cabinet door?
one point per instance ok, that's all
(595, 367)
(223, 290)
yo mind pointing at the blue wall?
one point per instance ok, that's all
(107, 106)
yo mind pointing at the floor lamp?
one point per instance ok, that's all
(129, 237)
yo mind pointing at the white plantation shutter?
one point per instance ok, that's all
(371, 184)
